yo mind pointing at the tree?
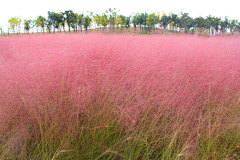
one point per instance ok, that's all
(15, 23)
(112, 15)
(238, 26)
(164, 21)
(40, 22)
(27, 25)
(87, 22)
(104, 21)
(135, 20)
(199, 22)
(51, 20)
(80, 20)
(209, 23)
(118, 21)
(97, 20)
(232, 25)
(142, 21)
(70, 18)
(58, 18)
(74, 22)
(32, 24)
(174, 21)
(224, 25)
(151, 21)
(216, 23)
(127, 22)
(64, 20)
(185, 21)
(48, 24)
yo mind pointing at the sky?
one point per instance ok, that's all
(29, 9)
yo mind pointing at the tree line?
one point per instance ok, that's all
(112, 21)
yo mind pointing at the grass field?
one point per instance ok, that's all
(91, 96)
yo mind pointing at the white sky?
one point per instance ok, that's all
(29, 9)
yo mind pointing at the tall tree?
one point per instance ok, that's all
(70, 17)
(164, 21)
(199, 22)
(32, 24)
(151, 21)
(15, 23)
(112, 15)
(135, 20)
(232, 25)
(209, 23)
(87, 22)
(64, 20)
(142, 21)
(97, 20)
(174, 21)
(104, 21)
(75, 23)
(185, 21)
(216, 23)
(224, 25)
(27, 25)
(80, 20)
(58, 18)
(118, 21)
(238, 26)
(51, 20)
(48, 25)
(127, 22)
(40, 22)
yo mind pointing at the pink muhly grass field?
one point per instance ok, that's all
(56, 80)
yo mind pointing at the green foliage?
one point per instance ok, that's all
(104, 20)
(151, 20)
(164, 21)
(41, 22)
(87, 22)
(126, 21)
(56, 19)
(135, 20)
(224, 25)
(70, 18)
(48, 24)
(80, 20)
(118, 21)
(216, 23)
(97, 19)
(27, 24)
(14, 22)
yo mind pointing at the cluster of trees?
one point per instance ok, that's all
(112, 20)
(184, 23)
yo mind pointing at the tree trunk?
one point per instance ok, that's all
(69, 28)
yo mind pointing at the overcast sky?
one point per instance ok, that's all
(29, 9)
